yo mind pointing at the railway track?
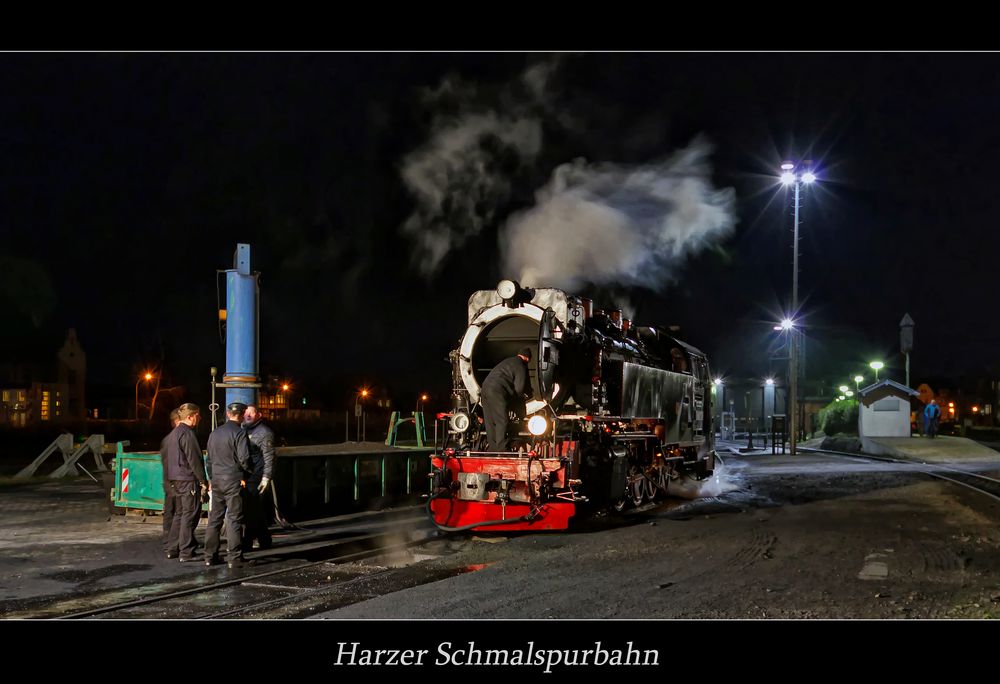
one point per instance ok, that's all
(981, 484)
(316, 558)
(977, 482)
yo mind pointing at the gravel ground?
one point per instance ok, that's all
(771, 537)
(809, 537)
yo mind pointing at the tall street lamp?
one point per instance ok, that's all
(858, 379)
(876, 366)
(147, 376)
(791, 176)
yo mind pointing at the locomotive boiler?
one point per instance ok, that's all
(617, 412)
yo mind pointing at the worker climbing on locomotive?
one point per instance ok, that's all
(505, 390)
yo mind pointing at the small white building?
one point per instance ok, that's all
(884, 410)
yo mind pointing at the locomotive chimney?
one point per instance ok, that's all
(616, 318)
(626, 324)
(588, 307)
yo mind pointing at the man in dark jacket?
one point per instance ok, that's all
(504, 390)
(168, 500)
(185, 473)
(229, 464)
(257, 502)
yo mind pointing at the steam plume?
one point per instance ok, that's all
(607, 224)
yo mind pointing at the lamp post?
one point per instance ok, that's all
(720, 392)
(789, 176)
(876, 366)
(420, 400)
(858, 379)
(357, 410)
(768, 385)
(147, 376)
(286, 398)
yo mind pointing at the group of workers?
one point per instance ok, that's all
(241, 466)
(240, 469)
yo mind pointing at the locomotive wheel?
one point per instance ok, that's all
(650, 487)
(663, 479)
(637, 488)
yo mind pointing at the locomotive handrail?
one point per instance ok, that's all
(501, 454)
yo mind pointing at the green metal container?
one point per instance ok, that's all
(139, 479)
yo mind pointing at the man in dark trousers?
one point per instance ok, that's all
(504, 390)
(229, 464)
(168, 500)
(258, 507)
(186, 476)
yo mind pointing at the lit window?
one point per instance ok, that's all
(6, 395)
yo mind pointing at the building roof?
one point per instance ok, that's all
(888, 384)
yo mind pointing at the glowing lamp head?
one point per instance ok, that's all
(808, 177)
(284, 388)
(718, 381)
(769, 382)
(148, 376)
(537, 425)
(859, 378)
(787, 166)
(787, 178)
(787, 324)
(877, 365)
(843, 388)
(364, 393)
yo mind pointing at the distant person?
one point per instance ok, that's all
(504, 391)
(168, 500)
(186, 476)
(229, 462)
(932, 413)
(258, 500)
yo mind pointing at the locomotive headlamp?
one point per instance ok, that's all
(459, 422)
(537, 425)
(506, 289)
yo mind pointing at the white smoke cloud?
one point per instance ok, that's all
(607, 224)
(463, 174)
(457, 183)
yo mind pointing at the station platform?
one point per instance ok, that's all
(941, 449)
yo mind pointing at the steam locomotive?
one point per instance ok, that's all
(617, 412)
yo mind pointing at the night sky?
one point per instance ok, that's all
(126, 181)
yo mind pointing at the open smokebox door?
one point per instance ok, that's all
(547, 365)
